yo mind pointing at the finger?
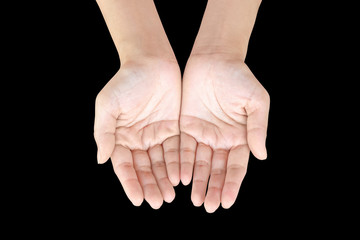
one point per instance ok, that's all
(159, 171)
(171, 155)
(201, 174)
(257, 126)
(235, 173)
(217, 178)
(104, 129)
(147, 180)
(123, 166)
(187, 157)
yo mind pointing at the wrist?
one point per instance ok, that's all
(213, 59)
(153, 64)
(130, 53)
(136, 29)
(219, 51)
(226, 28)
(147, 57)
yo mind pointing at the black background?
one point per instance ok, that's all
(70, 56)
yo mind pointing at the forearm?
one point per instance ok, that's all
(226, 27)
(136, 29)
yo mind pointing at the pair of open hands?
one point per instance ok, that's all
(159, 130)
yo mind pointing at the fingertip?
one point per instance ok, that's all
(105, 150)
(186, 173)
(137, 197)
(211, 207)
(261, 155)
(185, 180)
(101, 160)
(154, 198)
(99, 157)
(137, 201)
(258, 148)
(228, 198)
(196, 200)
(227, 203)
(156, 204)
(174, 179)
(170, 196)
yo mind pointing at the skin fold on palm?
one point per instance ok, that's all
(223, 116)
(136, 124)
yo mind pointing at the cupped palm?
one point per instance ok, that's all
(136, 124)
(223, 116)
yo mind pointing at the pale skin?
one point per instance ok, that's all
(159, 130)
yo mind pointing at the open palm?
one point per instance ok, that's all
(136, 124)
(224, 115)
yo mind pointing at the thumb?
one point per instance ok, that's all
(104, 131)
(105, 144)
(257, 126)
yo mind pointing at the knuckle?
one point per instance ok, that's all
(202, 163)
(217, 171)
(187, 150)
(172, 150)
(158, 164)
